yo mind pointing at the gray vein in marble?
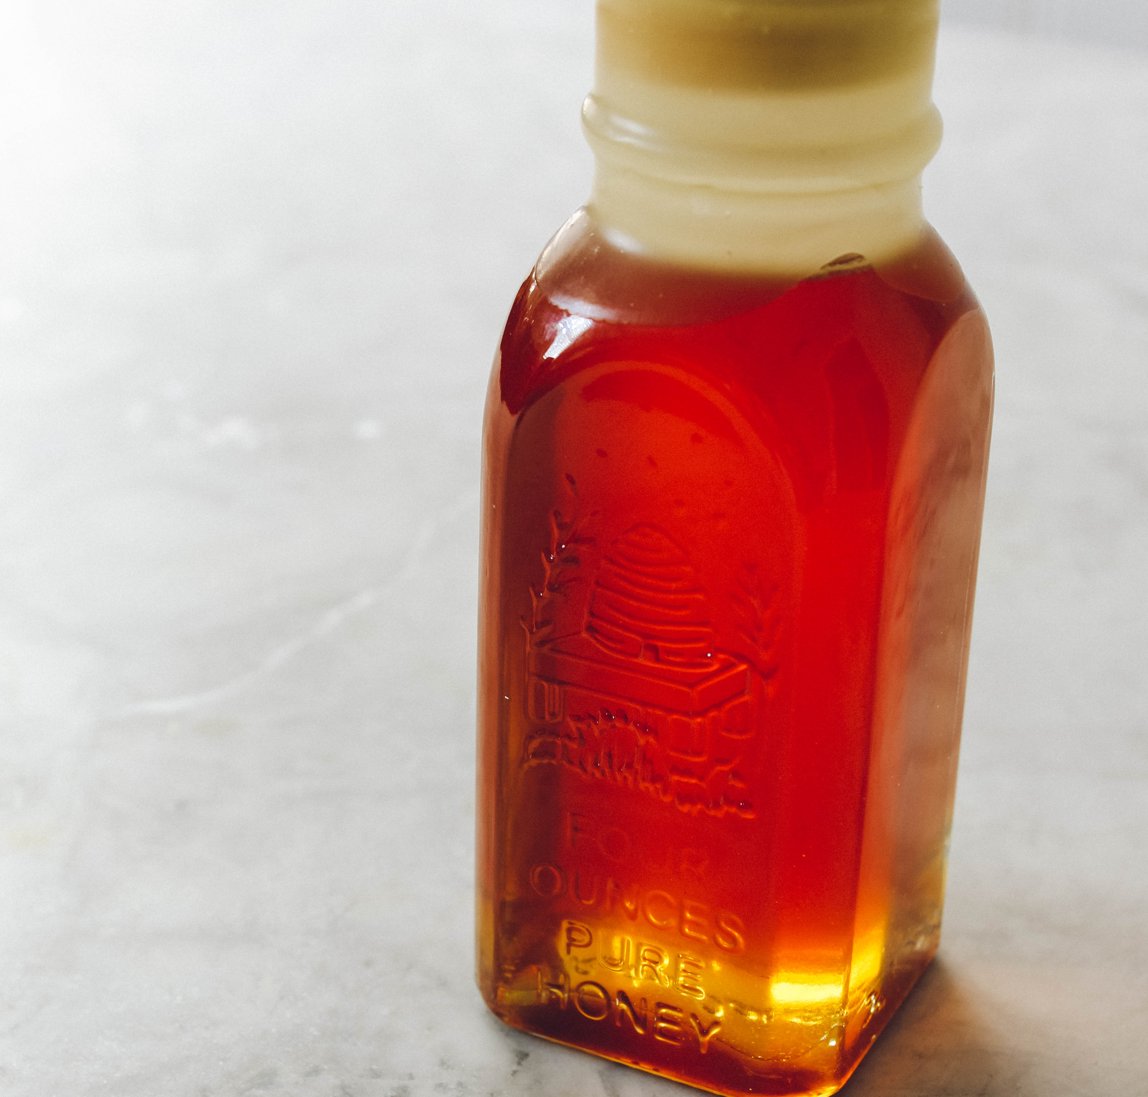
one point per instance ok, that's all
(323, 628)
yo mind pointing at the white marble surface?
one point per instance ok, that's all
(254, 258)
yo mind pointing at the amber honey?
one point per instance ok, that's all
(730, 538)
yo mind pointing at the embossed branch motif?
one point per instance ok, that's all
(561, 561)
(759, 622)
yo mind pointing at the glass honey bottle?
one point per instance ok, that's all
(734, 463)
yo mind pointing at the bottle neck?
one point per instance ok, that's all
(762, 135)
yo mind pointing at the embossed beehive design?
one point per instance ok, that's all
(646, 603)
(639, 696)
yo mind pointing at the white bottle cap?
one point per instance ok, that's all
(762, 135)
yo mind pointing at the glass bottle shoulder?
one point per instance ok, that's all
(589, 300)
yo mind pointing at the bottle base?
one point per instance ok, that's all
(807, 1053)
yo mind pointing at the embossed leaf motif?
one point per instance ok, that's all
(759, 620)
(561, 562)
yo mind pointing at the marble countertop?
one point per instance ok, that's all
(253, 262)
